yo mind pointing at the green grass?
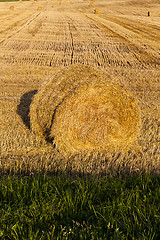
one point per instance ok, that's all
(60, 207)
(12, 0)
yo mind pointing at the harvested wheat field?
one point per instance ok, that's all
(80, 86)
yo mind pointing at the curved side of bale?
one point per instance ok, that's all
(54, 92)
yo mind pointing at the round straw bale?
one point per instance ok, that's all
(82, 109)
(11, 7)
(91, 4)
(39, 8)
(97, 11)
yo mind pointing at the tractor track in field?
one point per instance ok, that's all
(138, 48)
(22, 25)
(66, 39)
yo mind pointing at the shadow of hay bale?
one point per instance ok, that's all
(81, 108)
(24, 107)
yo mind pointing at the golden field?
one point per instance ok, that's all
(41, 39)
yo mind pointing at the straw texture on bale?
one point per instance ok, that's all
(81, 108)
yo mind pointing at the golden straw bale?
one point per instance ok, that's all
(39, 8)
(11, 7)
(91, 4)
(82, 109)
(95, 116)
(97, 11)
